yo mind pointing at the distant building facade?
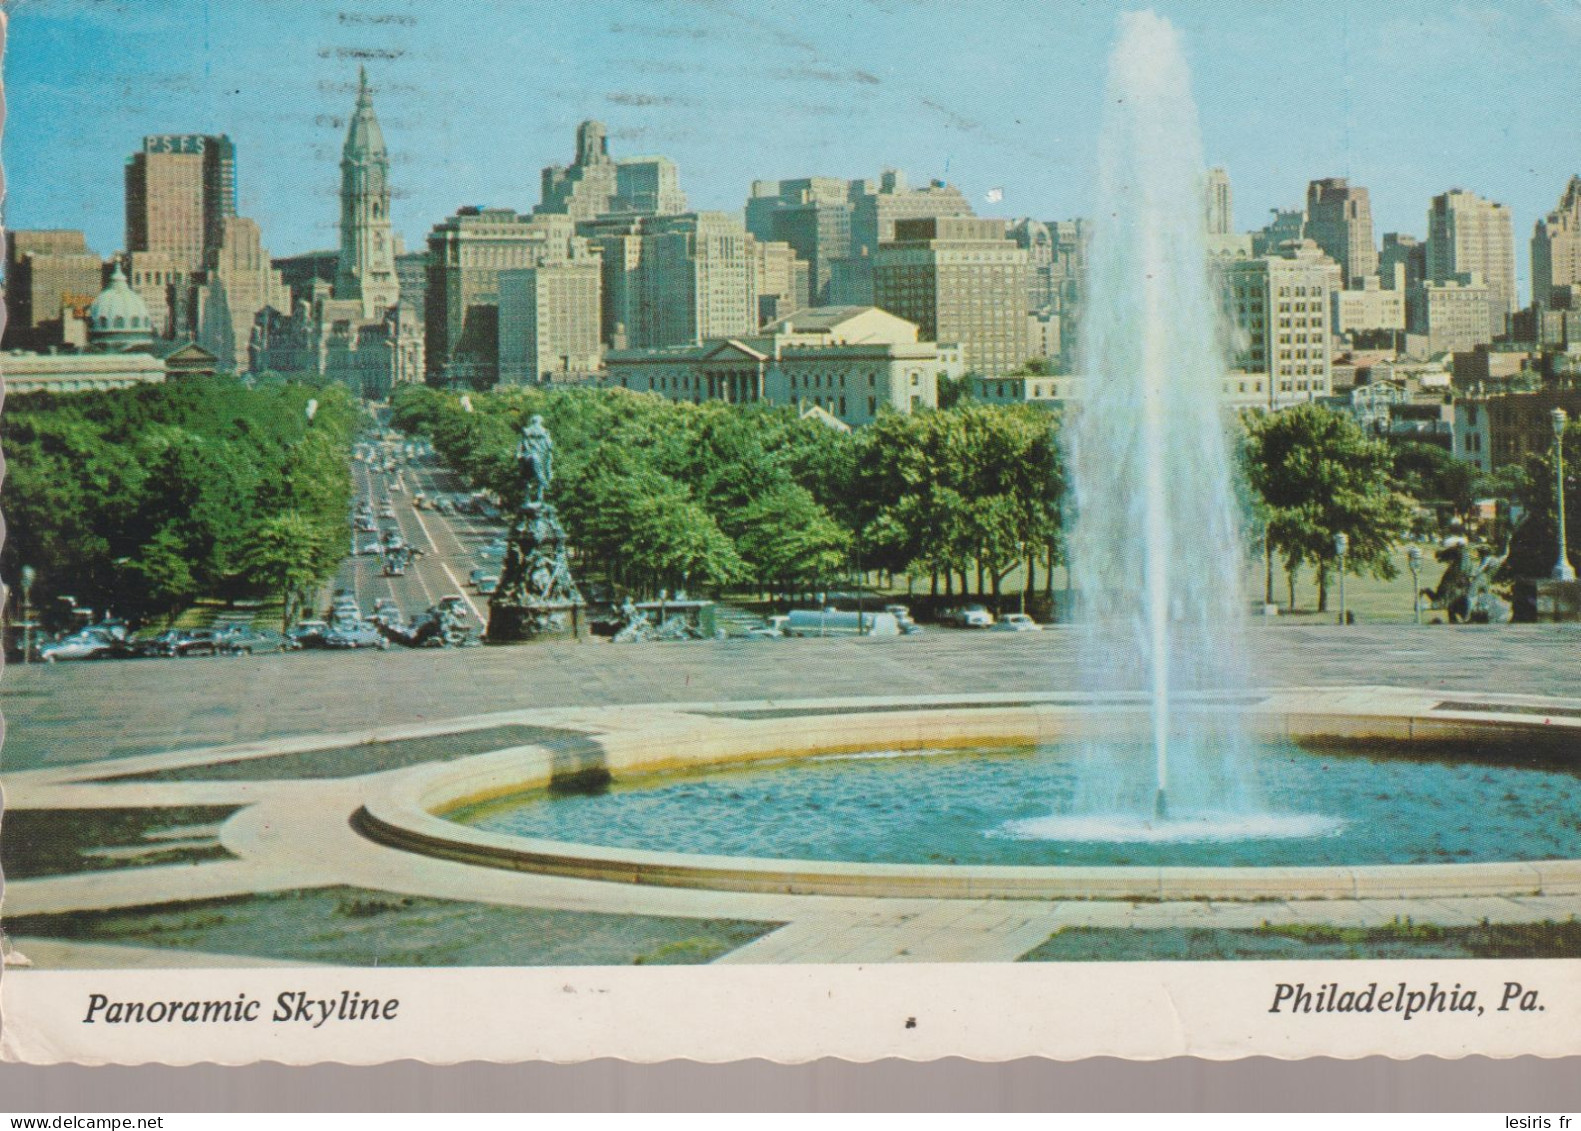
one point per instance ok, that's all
(960, 280)
(1339, 220)
(1280, 306)
(466, 254)
(549, 322)
(854, 363)
(1468, 237)
(1453, 315)
(1556, 247)
(596, 185)
(46, 273)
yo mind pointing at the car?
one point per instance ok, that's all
(85, 645)
(243, 640)
(387, 511)
(370, 546)
(307, 634)
(492, 552)
(969, 616)
(180, 642)
(419, 500)
(1017, 622)
(488, 584)
(355, 634)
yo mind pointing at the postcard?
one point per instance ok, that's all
(661, 529)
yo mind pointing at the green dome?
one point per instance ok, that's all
(119, 315)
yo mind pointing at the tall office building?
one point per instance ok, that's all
(180, 189)
(698, 280)
(837, 226)
(1469, 238)
(549, 322)
(1219, 204)
(961, 280)
(596, 185)
(1339, 220)
(1408, 252)
(366, 272)
(1280, 306)
(1556, 247)
(238, 283)
(466, 254)
(45, 272)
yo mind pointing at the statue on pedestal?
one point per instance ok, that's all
(536, 596)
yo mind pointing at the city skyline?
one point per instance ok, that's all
(667, 78)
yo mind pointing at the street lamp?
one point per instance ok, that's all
(1563, 570)
(1341, 547)
(1413, 557)
(28, 576)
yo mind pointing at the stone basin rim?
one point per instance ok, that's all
(404, 810)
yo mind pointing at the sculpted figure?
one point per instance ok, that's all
(535, 460)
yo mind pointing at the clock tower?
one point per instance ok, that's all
(367, 245)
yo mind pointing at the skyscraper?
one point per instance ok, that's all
(596, 185)
(1470, 239)
(962, 280)
(1556, 247)
(45, 272)
(367, 247)
(1339, 220)
(1219, 204)
(180, 189)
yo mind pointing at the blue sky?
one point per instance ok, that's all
(1408, 98)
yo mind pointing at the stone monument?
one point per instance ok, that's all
(536, 597)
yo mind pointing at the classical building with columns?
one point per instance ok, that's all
(853, 362)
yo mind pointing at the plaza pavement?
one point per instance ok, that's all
(71, 714)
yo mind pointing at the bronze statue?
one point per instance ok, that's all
(535, 460)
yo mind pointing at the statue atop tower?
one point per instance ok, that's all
(367, 245)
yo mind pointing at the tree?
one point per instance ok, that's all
(286, 555)
(1535, 546)
(1429, 474)
(1319, 475)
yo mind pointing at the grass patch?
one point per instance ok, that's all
(58, 842)
(1399, 939)
(359, 927)
(364, 758)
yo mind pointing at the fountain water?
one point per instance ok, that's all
(1155, 542)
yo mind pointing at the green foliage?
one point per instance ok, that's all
(663, 494)
(1535, 547)
(1320, 475)
(1428, 473)
(138, 500)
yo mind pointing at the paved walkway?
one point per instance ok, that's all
(294, 834)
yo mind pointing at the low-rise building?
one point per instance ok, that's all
(77, 372)
(1497, 431)
(854, 362)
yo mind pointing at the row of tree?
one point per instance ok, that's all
(663, 494)
(140, 500)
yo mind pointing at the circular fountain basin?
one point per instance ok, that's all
(1370, 792)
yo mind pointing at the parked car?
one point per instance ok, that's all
(307, 634)
(180, 642)
(87, 644)
(371, 546)
(359, 634)
(488, 584)
(969, 616)
(493, 551)
(387, 512)
(1017, 622)
(242, 640)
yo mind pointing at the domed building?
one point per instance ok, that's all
(118, 320)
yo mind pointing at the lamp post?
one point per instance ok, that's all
(28, 576)
(1563, 570)
(1341, 547)
(1413, 557)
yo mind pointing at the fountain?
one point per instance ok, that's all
(1155, 545)
(1154, 769)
